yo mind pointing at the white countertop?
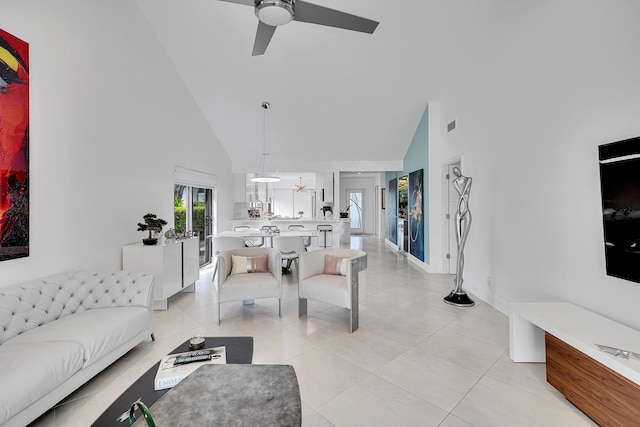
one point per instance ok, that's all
(296, 220)
(163, 242)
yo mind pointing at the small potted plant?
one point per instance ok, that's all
(151, 224)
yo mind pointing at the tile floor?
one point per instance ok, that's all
(415, 361)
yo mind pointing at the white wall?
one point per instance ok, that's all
(434, 208)
(110, 118)
(533, 98)
(534, 94)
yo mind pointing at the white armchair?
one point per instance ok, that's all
(223, 243)
(335, 289)
(240, 287)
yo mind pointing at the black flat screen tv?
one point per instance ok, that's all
(620, 187)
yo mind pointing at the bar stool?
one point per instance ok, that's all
(324, 229)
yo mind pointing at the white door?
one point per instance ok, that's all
(356, 210)
(452, 206)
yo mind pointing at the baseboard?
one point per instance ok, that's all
(424, 266)
(492, 299)
(392, 245)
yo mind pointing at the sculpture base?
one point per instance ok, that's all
(461, 299)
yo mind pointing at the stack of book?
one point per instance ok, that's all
(175, 367)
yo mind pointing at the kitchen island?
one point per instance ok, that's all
(341, 226)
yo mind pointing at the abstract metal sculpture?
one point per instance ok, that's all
(462, 185)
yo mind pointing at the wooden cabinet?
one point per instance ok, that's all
(603, 386)
(174, 265)
(605, 396)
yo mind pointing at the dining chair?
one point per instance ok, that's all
(223, 243)
(290, 248)
(294, 227)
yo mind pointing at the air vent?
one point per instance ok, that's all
(451, 126)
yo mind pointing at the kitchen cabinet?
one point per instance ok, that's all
(324, 184)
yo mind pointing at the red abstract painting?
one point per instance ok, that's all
(14, 147)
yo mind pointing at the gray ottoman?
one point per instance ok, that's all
(231, 395)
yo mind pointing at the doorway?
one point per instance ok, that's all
(451, 245)
(403, 213)
(356, 210)
(194, 212)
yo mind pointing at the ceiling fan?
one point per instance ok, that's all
(273, 13)
(300, 188)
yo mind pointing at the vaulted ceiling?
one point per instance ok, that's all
(340, 100)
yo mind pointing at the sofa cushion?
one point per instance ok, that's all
(31, 370)
(329, 288)
(259, 285)
(98, 331)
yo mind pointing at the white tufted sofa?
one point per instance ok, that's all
(58, 332)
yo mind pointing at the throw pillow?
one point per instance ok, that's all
(335, 265)
(250, 264)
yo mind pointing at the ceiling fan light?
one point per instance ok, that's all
(274, 12)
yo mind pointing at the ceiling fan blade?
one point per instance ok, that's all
(245, 2)
(314, 14)
(263, 37)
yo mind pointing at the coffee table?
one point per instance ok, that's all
(239, 351)
(233, 396)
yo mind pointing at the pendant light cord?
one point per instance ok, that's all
(265, 154)
(262, 177)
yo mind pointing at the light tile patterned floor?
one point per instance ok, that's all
(415, 361)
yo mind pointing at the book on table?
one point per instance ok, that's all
(175, 367)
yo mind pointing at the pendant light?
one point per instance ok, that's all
(263, 177)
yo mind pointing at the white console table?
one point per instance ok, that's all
(175, 266)
(605, 387)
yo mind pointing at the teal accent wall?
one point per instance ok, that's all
(416, 158)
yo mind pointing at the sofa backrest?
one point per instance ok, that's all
(312, 262)
(275, 258)
(31, 304)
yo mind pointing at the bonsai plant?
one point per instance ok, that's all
(151, 223)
